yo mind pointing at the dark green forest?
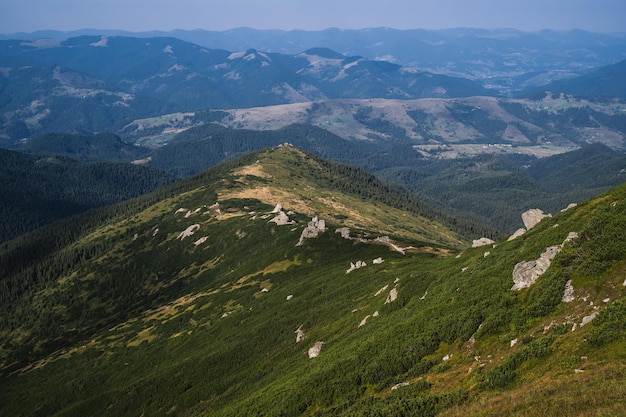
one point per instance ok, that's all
(37, 190)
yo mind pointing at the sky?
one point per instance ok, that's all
(145, 15)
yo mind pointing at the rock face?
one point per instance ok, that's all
(314, 228)
(483, 241)
(532, 217)
(526, 273)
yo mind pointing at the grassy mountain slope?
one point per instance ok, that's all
(491, 189)
(37, 190)
(155, 323)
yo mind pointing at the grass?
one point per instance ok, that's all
(170, 328)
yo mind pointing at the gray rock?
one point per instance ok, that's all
(313, 230)
(483, 241)
(568, 295)
(517, 234)
(532, 217)
(526, 273)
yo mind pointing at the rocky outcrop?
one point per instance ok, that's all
(383, 289)
(483, 241)
(381, 240)
(571, 205)
(299, 335)
(568, 294)
(188, 231)
(313, 230)
(517, 234)
(526, 273)
(354, 266)
(588, 319)
(532, 217)
(315, 350)
(393, 295)
(282, 219)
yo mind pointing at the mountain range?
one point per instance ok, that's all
(281, 284)
(506, 60)
(110, 80)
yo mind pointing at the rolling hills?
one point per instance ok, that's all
(506, 60)
(208, 298)
(109, 81)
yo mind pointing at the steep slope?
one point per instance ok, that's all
(221, 311)
(37, 190)
(342, 195)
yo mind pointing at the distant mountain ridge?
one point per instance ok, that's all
(606, 82)
(107, 80)
(495, 56)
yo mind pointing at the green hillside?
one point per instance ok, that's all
(175, 305)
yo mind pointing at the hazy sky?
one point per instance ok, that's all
(143, 15)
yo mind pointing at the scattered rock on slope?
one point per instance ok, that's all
(517, 234)
(526, 273)
(299, 335)
(483, 241)
(393, 295)
(315, 350)
(568, 294)
(188, 231)
(357, 265)
(313, 229)
(532, 217)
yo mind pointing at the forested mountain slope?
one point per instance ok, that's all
(177, 305)
(99, 83)
(37, 190)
